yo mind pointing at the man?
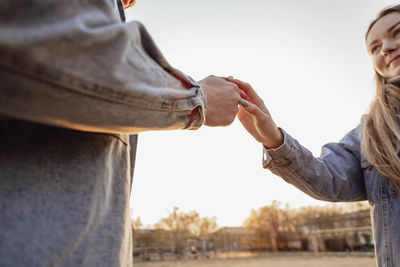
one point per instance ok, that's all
(77, 85)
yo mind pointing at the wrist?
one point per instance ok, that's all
(275, 141)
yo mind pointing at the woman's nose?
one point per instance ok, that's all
(389, 47)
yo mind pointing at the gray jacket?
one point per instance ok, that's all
(342, 173)
(75, 84)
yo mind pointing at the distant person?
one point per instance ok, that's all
(76, 87)
(365, 164)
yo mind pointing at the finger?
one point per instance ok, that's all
(243, 95)
(251, 108)
(132, 3)
(247, 89)
(220, 77)
(128, 3)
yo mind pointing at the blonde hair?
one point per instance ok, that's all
(381, 125)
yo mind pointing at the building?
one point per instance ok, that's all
(350, 231)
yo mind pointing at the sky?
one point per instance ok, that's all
(306, 58)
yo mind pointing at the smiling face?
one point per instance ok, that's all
(383, 43)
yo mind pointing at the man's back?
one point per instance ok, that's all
(63, 197)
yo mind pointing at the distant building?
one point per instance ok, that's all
(245, 239)
(234, 239)
(151, 240)
(321, 231)
(345, 239)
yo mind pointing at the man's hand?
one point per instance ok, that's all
(223, 98)
(128, 3)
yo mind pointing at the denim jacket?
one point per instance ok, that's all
(110, 77)
(341, 173)
(76, 85)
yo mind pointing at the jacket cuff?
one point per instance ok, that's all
(198, 115)
(280, 154)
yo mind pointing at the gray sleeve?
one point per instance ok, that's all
(73, 64)
(336, 175)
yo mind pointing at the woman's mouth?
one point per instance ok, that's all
(394, 60)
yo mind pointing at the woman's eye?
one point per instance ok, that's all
(396, 32)
(375, 49)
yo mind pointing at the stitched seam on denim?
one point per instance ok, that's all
(291, 155)
(385, 221)
(305, 184)
(117, 137)
(42, 74)
(194, 119)
(266, 159)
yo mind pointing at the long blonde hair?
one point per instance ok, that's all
(381, 125)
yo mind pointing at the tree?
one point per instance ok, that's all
(182, 225)
(274, 224)
(205, 226)
(136, 224)
(267, 222)
(356, 206)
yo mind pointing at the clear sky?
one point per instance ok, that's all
(308, 61)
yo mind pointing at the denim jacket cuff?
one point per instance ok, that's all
(198, 116)
(279, 154)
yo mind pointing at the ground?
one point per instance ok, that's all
(277, 260)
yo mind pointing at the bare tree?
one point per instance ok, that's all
(205, 226)
(180, 225)
(275, 224)
(267, 222)
(137, 224)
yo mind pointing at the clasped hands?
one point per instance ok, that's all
(228, 97)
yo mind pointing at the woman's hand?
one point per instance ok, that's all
(128, 3)
(256, 118)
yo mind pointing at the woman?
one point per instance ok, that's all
(364, 165)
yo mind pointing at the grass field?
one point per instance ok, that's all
(273, 260)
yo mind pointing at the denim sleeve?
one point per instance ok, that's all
(336, 175)
(73, 64)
